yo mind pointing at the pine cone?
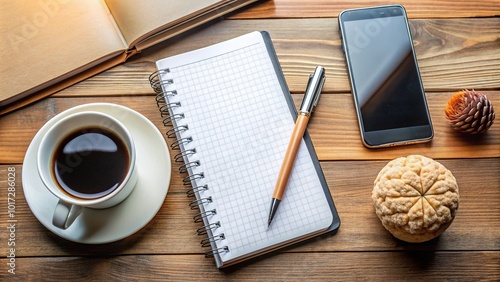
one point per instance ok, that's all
(470, 112)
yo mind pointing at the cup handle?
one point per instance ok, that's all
(65, 214)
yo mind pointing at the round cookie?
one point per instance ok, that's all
(415, 198)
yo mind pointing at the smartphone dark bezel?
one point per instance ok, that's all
(395, 136)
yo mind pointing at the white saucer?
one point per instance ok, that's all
(107, 225)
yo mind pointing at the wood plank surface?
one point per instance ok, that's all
(458, 47)
(327, 8)
(335, 134)
(172, 231)
(335, 266)
(453, 54)
(333, 128)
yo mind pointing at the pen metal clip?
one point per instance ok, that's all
(319, 89)
(313, 90)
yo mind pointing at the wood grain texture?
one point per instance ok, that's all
(335, 133)
(365, 266)
(172, 231)
(452, 53)
(457, 46)
(328, 8)
(333, 128)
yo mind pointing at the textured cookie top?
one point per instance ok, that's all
(415, 197)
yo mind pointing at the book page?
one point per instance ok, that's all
(241, 123)
(138, 18)
(43, 41)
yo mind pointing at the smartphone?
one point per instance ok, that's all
(385, 80)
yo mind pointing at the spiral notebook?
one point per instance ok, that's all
(231, 114)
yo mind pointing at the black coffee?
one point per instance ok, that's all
(90, 163)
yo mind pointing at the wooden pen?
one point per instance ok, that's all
(311, 97)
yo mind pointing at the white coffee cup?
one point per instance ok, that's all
(87, 160)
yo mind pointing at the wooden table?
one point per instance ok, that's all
(458, 47)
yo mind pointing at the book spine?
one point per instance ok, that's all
(172, 115)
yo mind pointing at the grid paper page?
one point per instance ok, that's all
(240, 123)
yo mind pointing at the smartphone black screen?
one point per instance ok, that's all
(384, 76)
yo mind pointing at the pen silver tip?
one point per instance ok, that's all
(274, 206)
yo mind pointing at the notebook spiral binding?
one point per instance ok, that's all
(176, 130)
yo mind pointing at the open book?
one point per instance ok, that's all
(232, 115)
(51, 44)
